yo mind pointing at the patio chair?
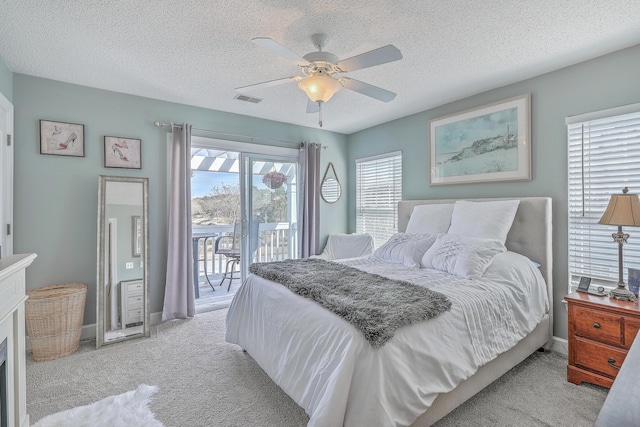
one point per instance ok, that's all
(229, 247)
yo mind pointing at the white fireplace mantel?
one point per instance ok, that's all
(12, 327)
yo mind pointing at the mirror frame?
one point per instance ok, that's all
(144, 257)
(324, 178)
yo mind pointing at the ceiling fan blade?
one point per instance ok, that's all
(278, 49)
(378, 56)
(312, 107)
(263, 85)
(367, 89)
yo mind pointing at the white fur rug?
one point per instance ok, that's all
(130, 409)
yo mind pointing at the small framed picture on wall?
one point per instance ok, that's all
(61, 139)
(122, 152)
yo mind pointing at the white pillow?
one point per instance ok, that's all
(430, 219)
(462, 256)
(486, 220)
(405, 248)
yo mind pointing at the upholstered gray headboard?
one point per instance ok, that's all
(530, 234)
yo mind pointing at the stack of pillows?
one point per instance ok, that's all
(461, 238)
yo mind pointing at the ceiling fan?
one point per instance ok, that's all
(323, 71)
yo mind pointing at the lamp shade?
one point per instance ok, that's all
(319, 87)
(623, 209)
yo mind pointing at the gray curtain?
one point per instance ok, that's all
(179, 294)
(309, 163)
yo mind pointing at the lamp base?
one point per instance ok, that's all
(622, 294)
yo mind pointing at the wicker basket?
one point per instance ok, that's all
(54, 316)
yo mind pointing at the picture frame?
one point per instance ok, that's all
(61, 138)
(489, 143)
(634, 281)
(120, 152)
(583, 286)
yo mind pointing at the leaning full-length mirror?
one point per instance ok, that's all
(123, 259)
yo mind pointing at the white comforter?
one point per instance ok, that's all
(331, 371)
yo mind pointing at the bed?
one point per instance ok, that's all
(427, 369)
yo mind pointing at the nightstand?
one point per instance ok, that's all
(132, 303)
(601, 330)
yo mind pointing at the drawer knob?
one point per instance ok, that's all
(596, 325)
(612, 362)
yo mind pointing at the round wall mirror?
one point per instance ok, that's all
(330, 188)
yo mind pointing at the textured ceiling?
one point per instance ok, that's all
(197, 51)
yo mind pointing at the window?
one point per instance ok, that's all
(604, 157)
(378, 191)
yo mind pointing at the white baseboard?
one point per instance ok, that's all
(89, 331)
(156, 318)
(560, 345)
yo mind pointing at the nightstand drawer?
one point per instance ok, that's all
(134, 315)
(134, 288)
(134, 302)
(598, 325)
(598, 357)
(631, 328)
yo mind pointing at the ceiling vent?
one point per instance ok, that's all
(246, 98)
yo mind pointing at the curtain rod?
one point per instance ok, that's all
(161, 125)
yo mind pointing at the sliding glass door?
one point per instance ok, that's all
(251, 185)
(269, 205)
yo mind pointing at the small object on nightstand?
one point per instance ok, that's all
(583, 286)
(634, 281)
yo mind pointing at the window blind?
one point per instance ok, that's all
(603, 157)
(378, 191)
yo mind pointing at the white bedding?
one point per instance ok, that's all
(331, 371)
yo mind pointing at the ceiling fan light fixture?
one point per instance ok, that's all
(319, 87)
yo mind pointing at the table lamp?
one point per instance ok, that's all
(623, 209)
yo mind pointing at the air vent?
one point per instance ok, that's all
(246, 98)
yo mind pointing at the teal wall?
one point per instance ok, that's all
(56, 197)
(6, 81)
(604, 82)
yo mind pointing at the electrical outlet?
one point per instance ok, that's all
(128, 265)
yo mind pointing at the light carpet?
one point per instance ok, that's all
(204, 381)
(130, 409)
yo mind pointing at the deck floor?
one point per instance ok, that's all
(209, 299)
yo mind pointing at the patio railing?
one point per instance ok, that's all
(275, 243)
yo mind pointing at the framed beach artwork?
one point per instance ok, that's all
(122, 152)
(61, 139)
(486, 144)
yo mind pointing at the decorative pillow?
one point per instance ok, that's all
(462, 256)
(405, 248)
(486, 220)
(430, 219)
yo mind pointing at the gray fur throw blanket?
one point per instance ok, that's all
(375, 305)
